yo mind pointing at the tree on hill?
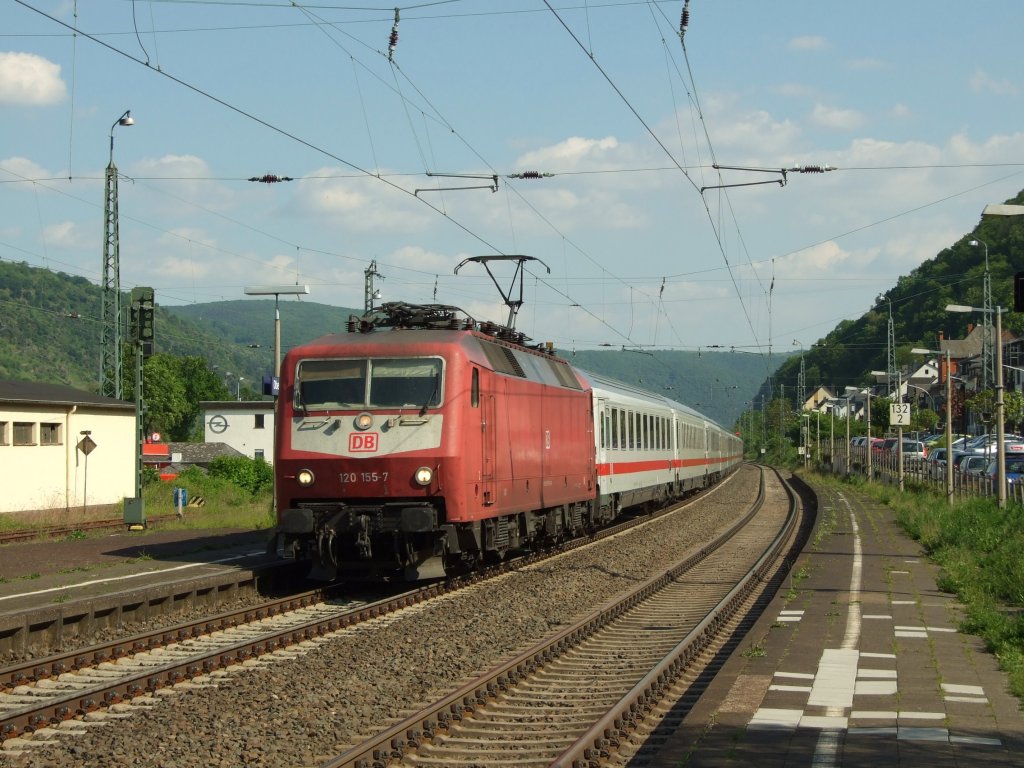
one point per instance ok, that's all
(173, 387)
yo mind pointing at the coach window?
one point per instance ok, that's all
(647, 433)
(24, 433)
(3, 433)
(615, 428)
(474, 391)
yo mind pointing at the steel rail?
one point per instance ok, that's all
(59, 707)
(402, 739)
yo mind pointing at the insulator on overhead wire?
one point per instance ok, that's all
(684, 19)
(270, 178)
(529, 175)
(393, 39)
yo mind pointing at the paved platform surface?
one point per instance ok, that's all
(56, 572)
(857, 663)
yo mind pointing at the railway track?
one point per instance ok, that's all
(66, 531)
(45, 693)
(577, 697)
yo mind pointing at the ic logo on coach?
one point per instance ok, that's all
(363, 442)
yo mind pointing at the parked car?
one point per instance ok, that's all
(974, 464)
(935, 463)
(914, 450)
(986, 444)
(1014, 469)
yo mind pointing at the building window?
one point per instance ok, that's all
(3, 433)
(50, 433)
(259, 421)
(258, 454)
(24, 433)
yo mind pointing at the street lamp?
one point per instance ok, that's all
(867, 416)
(923, 390)
(949, 419)
(898, 393)
(277, 291)
(110, 310)
(986, 295)
(1000, 426)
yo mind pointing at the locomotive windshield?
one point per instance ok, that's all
(369, 383)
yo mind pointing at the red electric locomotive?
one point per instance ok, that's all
(421, 443)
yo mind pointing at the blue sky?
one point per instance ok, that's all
(919, 106)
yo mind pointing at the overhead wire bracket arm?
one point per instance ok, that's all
(781, 182)
(493, 186)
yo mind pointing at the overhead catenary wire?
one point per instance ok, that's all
(632, 279)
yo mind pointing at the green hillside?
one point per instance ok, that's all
(50, 331)
(918, 304)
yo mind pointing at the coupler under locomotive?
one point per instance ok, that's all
(394, 540)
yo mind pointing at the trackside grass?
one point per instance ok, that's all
(225, 504)
(980, 549)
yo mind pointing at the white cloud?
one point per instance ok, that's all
(22, 168)
(65, 234)
(835, 118)
(981, 81)
(748, 134)
(866, 64)
(820, 259)
(797, 90)
(808, 43)
(570, 152)
(176, 166)
(360, 205)
(27, 79)
(416, 257)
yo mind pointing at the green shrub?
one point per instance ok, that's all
(252, 475)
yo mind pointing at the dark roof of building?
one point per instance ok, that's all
(40, 393)
(201, 453)
(236, 405)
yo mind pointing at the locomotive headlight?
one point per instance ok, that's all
(423, 475)
(363, 421)
(305, 477)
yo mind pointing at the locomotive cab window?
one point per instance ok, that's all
(370, 383)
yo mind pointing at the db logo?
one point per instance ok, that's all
(363, 442)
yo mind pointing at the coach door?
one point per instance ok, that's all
(603, 435)
(482, 387)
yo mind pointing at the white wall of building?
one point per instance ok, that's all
(42, 468)
(248, 427)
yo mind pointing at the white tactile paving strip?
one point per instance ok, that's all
(840, 677)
